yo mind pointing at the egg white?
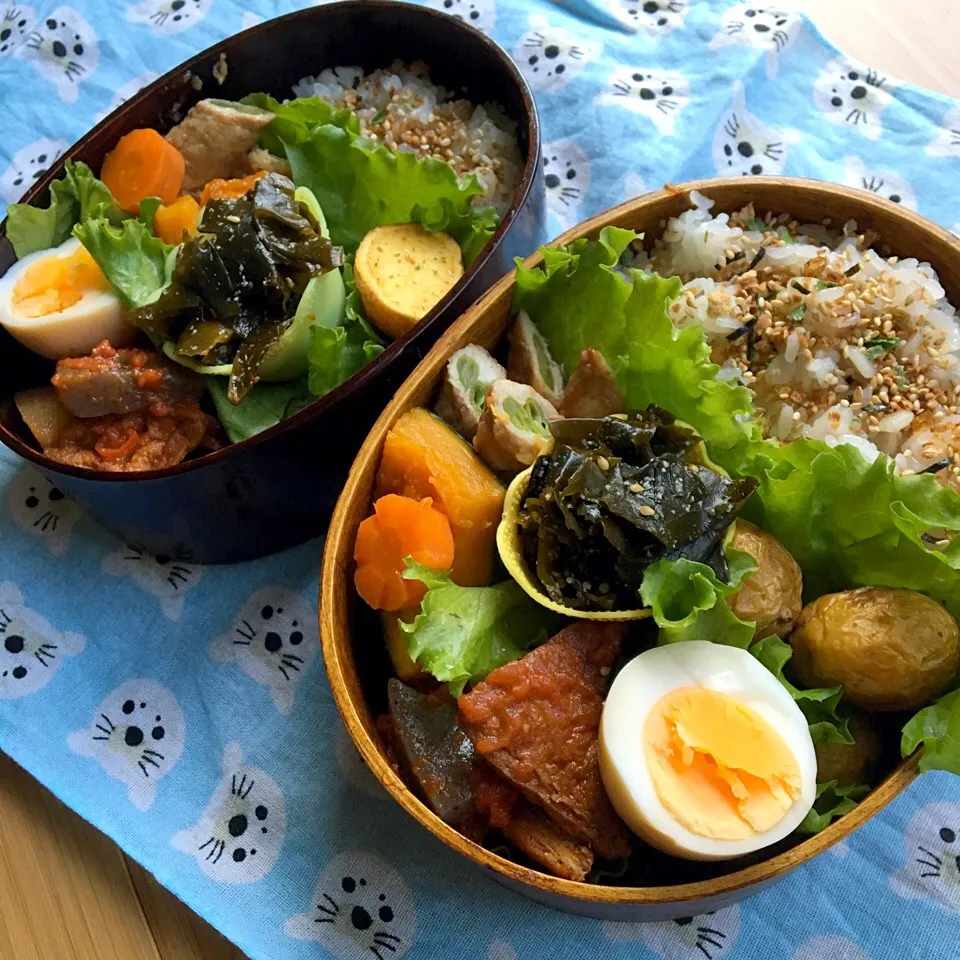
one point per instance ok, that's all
(73, 332)
(623, 765)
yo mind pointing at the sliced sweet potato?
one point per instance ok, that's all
(423, 457)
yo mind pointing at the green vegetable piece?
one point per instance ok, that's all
(462, 633)
(379, 116)
(293, 120)
(469, 373)
(133, 260)
(689, 601)
(361, 185)
(831, 802)
(755, 223)
(796, 315)
(785, 236)
(148, 210)
(820, 705)
(527, 417)
(826, 284)
(937, 729)
(877, 346)
(263, 407)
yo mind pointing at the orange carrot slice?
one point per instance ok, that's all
(400, 527)
(219, 189)
(170, 223)
(143, 164)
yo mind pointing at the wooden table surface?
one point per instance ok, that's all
(69, 893)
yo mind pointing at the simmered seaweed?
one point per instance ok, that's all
(614, 496)
(237, 283)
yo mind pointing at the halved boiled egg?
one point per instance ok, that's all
(704, 753)
(59, 304)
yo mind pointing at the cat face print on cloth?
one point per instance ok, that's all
(125, 92)
(769, 28)
(137, 735)
(566, 170)
(166, 576)
(885, 183)
(169, 17)
(849, 94)
(658, 95)
(32, 651)
(273, 640)
(745, 146)
(655, 18)
(29, 163)
(361, 907)
(42, 509)
(239, 835)
(63, 48)
(478, 13)
(15, 23)
(931, 869)
(947, 141)
(550, 57)
(710, 936)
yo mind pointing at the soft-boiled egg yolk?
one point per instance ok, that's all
(704, 753)
(718, 766)
(55, 283)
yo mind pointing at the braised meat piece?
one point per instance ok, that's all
(534, 834)
(535, 720)
(122, 381)
(592, 390)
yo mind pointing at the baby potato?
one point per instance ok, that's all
(849, 763)
(891, 649)
(403, 271)
(772, 594)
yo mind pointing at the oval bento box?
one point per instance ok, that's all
(358, 667)
(277, 489)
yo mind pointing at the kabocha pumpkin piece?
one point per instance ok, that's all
(531, 362)
(592, 390)
(396, 639)
(399, 528)
(514, 427)
(402, 272)
(423, 457)
(468, 375)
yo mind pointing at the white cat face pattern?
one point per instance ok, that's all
(166, 576)
(658, 95)
(125, 92)
(744, 145)
(360, 907)
(634, 186)
(566, 170)
(31, 649)
(15, 24)
(29, 163)
(137, 735)
(655, 18)
(42, 509)
(947, 141)
(64, 49)
(478, 13)
(550, 57)
(885, 183)
(767, 28)
(169, 17)
(848, 93)
(932, 857)
(273, 640)
(239, 835)
(710, 936)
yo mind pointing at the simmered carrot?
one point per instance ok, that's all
(170, 223)
(117, 453)
(400, 527)
(142, 165)
(219, 189)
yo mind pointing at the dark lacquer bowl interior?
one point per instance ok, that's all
(357, 662)
(278, 488)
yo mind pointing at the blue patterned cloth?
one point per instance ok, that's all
(137, 687)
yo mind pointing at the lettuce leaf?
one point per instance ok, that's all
(362, 185)
(77, 197)
(294, 119)
(462, 633)
(134, 260)
(832, 801)
(937, 729)
(263, 407)
(336, 353)
(689, 602)
(820, 705)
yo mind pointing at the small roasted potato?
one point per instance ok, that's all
(530, 361)
(772, 594)
(402, 272)
(592, 390)
(514, 427)
(849, 763)
(891, 649)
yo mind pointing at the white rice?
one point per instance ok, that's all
(405, 111)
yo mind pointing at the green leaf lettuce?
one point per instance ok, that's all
(832, 801)
(263, 407)
(937, 729)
